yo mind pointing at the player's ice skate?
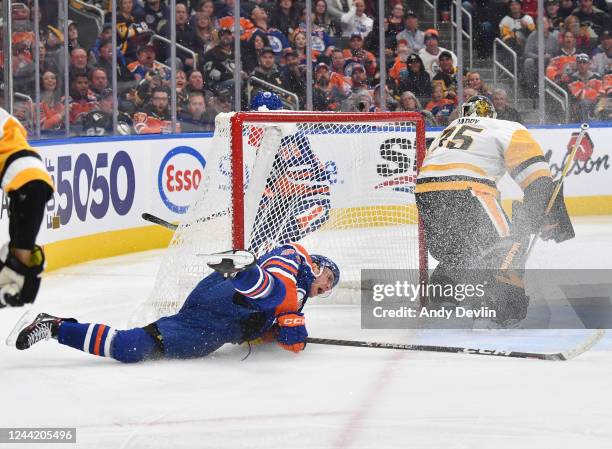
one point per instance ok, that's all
(29, 330)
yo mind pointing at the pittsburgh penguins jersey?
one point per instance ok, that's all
(475, 152)
(19, 162)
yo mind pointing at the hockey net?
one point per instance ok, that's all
(341, 185)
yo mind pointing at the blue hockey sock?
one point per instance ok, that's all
(127, 346)
(93, 338)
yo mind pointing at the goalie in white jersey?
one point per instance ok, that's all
(457, 197)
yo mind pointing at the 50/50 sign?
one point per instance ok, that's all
(90, 187)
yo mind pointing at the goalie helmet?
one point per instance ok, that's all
(478, 106)
(326, 262)
(267, 100)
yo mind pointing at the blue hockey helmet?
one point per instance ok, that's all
(268, 99)
(326, 262)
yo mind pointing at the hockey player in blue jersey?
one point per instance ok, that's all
(239, 302)
(297, 189)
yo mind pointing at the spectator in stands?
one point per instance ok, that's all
(207, 8)
(51, 107)
(391, 104)
(221, 102)
(105, 61)
(155, 117)
(439, 106)
(205, 33)
(359, 55)
(46, 64)
(327, 93)
(586, 88)
(516, 27)
(218, 67)
(254, 46)
(399, 65)
(410, 103)
(125, 13)
(54, 44)
(356, 20)
(431, 52)
(323, 20)
(602, 59)
(394, 24)
(105, 35)
(446, 76)
(285, 17)
(552, 14)
(185, 36)
(414, 37)
(585, 38)
(566, 7)
(298, 43)
(335, 8)
(78, 60)
(146, 63)
(98, 81)
(182, 94)
(530, 64)
(359, 79)
(267, 70)
(505, 112)
(99, 121)
(82, 100)
(473, 80)
(293, 76)
(195, 118)
(73, 36)
(358, 101)
(337, 61)
(559, 67)
(156, 15)
(593, 18)
(415, 78)
(195, 82)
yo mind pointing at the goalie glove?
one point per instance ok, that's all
(230, 263)
(19, 283)
(292, 331)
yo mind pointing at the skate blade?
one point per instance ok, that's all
(25, 319)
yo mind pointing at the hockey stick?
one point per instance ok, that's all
(565, 355)
(159, 221)
(566, 168)
(171, 226)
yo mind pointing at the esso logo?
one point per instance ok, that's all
(179, 177)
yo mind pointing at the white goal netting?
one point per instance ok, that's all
(340, 188)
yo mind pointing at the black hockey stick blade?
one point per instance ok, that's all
(566, 355)
(159, 221)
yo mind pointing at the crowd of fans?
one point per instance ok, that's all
(422, 75)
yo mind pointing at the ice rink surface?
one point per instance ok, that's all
(326, 397)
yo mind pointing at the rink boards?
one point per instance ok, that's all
(103, 185)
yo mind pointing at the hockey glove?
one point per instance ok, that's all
(292, 331)
(19, 283)
(230, 263)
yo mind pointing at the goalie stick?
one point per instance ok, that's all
(564, 355)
